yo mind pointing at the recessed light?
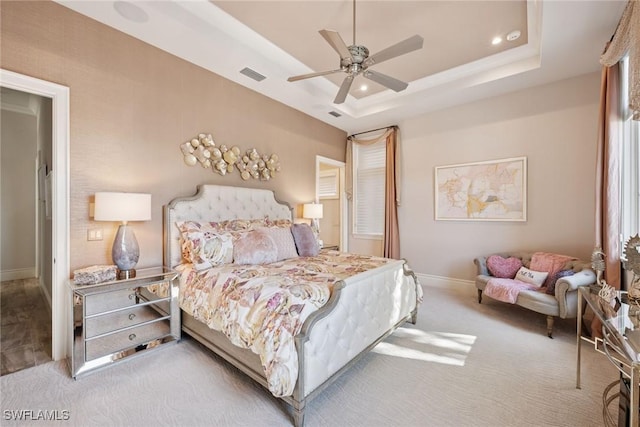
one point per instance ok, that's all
(513, 35)
(130, 11)
(496, 40)
(364, 88)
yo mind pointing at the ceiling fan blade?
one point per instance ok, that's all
(336, 42)
(405, 46)
(308, 76)
(344, 90)
(384, 80)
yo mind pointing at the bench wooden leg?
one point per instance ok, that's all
(479, 296)
(550, 326)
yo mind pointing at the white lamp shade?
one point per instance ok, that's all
(122, 207)
(312, 210)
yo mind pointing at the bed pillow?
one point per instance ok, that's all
(284, 242)
(504, 268)
(231, 225)
(535, 278)
(306, 242)
(255, 247)
(551, 287)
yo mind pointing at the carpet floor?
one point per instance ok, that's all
(463, 364)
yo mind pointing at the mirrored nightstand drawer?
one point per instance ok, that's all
(107, 301)
(118, 341)
(131, 316)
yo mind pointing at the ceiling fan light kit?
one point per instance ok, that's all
(355, 60)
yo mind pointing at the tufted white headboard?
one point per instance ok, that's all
(217, 203)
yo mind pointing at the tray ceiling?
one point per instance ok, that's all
(458, 62)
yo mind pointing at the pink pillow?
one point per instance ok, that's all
(284, 241)
(255, 247)
(504, 268)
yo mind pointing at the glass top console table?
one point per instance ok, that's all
(618, 339)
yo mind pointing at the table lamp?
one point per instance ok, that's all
(313, 211)
(123, 207)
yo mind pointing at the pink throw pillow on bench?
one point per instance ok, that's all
(504, 268)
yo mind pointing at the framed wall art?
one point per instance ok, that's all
(493, 190)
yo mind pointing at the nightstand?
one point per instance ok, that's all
(114, 321)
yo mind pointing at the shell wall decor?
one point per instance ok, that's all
(221, 159)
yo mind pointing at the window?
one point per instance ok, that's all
(629, 164)
(328, 184)
(369, 188)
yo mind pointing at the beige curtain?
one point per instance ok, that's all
(392, 185)
(607, 173)
(627, 40)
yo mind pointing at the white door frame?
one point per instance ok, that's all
(344, 237)
(60, 198)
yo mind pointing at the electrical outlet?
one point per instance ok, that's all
(94, 234)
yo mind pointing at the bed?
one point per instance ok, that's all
(358, 312)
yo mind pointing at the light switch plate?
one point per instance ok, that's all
(94, 234)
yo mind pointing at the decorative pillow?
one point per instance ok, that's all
(284, 242)
(504, 268)
(284, 223)
(535, 278)
(306, 242)
(551, 287)
(204, 248)
(255, 247)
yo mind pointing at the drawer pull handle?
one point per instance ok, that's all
(132, 316)
(132, 337)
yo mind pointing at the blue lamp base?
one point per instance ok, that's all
(125, 252)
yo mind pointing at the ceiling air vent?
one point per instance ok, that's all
(252, 74)
(335, 114)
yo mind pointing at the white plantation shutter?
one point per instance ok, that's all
(328, 184)
(368, 188)
(629, 162)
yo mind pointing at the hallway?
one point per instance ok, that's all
(25, 328)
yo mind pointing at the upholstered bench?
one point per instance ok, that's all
(557, 297)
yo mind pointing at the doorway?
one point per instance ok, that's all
(330, 192)
(53, 185)
(25, 230)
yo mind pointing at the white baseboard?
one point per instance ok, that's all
(429, 280)
(17, 274)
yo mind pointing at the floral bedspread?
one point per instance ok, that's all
(262, 307)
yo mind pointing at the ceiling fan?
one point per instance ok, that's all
(355, 61)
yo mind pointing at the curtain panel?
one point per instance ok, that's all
(625, 40)
(607, 227)
(392, 184)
